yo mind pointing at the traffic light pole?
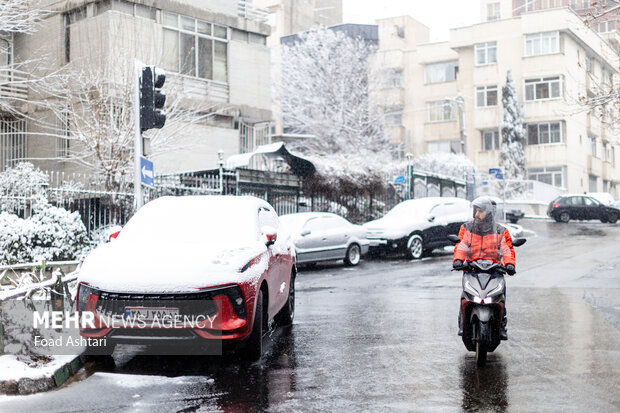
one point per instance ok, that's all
(137, 149)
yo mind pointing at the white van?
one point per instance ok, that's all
(604, 197)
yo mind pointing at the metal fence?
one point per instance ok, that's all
(101, 208)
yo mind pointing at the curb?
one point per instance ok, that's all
(44, 383)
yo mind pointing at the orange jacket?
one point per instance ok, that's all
(495, 246)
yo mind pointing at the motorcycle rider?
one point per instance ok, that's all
(484, 239)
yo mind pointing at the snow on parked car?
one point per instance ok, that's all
(417, 226)
(322, 236)
(219, 257)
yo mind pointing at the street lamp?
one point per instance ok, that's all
(460, 104)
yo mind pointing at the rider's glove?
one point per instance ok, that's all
(510, 269)
(457, 265)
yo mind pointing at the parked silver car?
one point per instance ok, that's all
(322, 236)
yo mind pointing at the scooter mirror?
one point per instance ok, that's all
(455, 239)
(518, 242)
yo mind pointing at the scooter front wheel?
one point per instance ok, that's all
(481, 354)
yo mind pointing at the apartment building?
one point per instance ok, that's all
(554, 59)
(214, 53)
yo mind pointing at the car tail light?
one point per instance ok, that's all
(556, 205)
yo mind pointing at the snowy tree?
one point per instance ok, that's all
(446, 164)
(98, 106)
(21, 17)
(324, 90)
(512, 156)
(49, 232)
(605, 97)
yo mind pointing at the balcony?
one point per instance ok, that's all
(247, 10)
(194, 88)
(13, 84)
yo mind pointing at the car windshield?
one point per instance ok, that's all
(293, 223)
(192, 223)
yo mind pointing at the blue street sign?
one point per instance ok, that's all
(499, 175)
(494, 171)
(146, 172)
(399, 179)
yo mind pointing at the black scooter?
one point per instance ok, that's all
(482, 303)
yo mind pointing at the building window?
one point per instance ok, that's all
(544, 133)
(592, 146)
(70, 18)
(440, 111)
(542, 43)
(486, 96)
(604, 152)
(13, 142)
(592, 183)
(493, 11)
(195, 47)
(490, 140)
(486, 53)
(543, 88)
(394, 116)
(607, 26)
(453, 146)
(442, 72)
(552, 175)
(64, 132)
(393, 78)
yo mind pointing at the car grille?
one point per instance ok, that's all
(114, 304)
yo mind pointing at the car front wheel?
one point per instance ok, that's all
(415, 247)
(253, 348)
(287, 313)
(612, 218)
(353, 255)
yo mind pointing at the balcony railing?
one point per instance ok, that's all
(247, 10)
(195, 88)
(13, 83)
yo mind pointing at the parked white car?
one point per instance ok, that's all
(322, 236)
(604, 198)
(418, 226)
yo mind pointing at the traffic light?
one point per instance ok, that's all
(152, 98)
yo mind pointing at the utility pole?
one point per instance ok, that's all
(461, 107)
(137, 148)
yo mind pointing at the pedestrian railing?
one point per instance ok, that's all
(25, 280)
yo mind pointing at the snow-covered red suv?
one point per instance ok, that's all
(206, 268)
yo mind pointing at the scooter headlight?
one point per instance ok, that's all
(488, 300)
(477, 299)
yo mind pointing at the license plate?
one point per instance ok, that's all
(151, 313)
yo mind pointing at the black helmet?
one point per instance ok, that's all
(486, 204)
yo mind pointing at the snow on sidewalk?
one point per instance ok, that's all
(22, 376)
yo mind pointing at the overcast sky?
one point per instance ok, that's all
(438, 15)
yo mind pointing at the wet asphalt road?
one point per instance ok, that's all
(382, 337)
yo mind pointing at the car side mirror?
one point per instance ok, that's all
(454, 238)
(430, 218)
(112, 233)
(518, 242)
(270, 235)
(305, 232)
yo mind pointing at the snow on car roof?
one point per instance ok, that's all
(195, 219)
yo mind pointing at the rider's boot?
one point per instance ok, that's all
(460, 324)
